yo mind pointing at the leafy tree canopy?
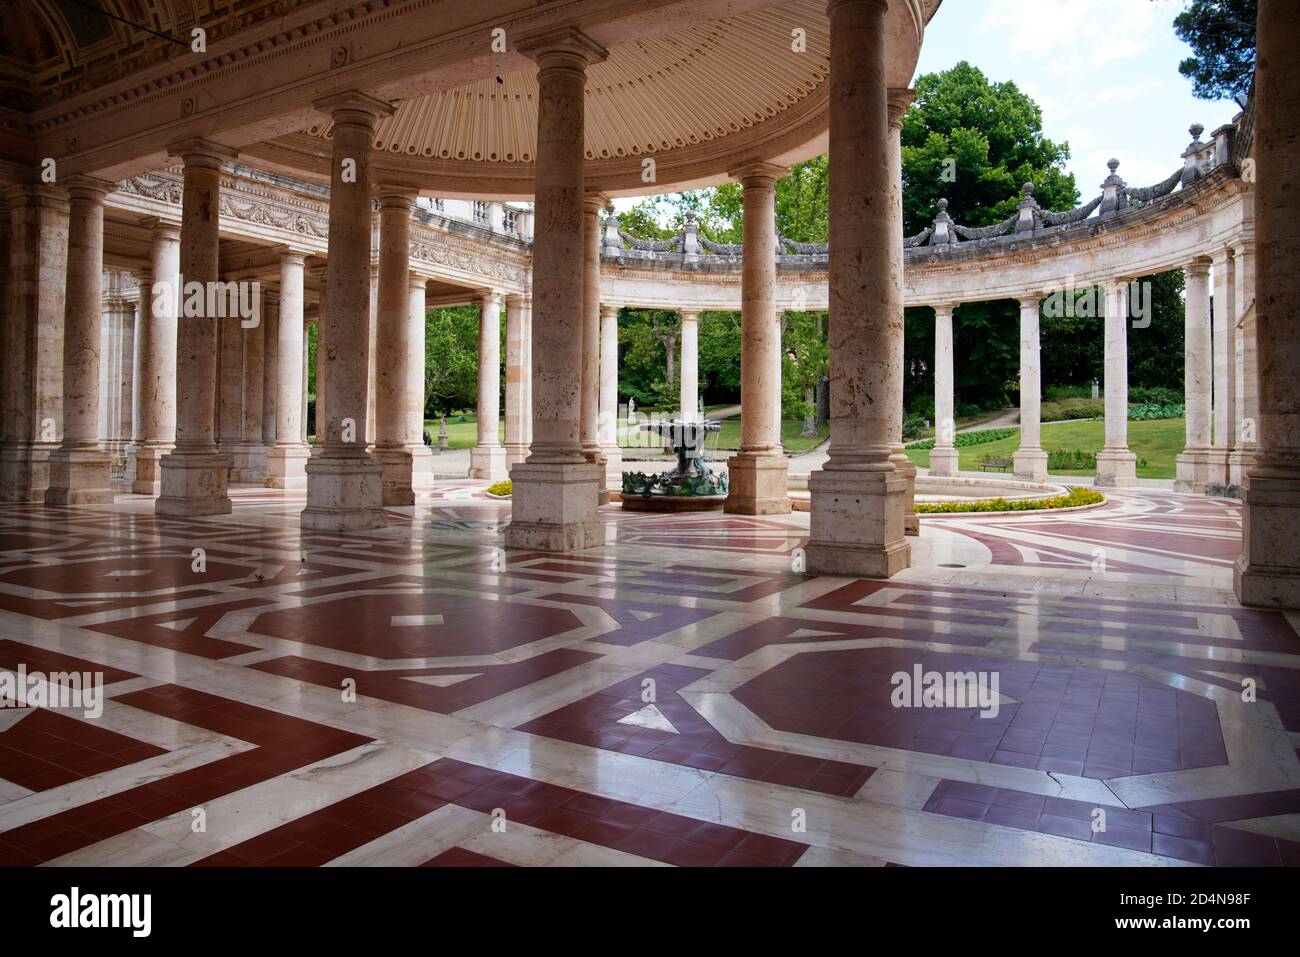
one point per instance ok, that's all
(1221, 34)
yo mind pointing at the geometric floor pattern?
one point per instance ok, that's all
(684, 695)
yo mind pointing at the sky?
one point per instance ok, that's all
(1104, 73)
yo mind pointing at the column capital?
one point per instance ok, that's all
(490, 296)
(88, 188)
(944, 310)
(881, 6)
(594, 202)
(565, 43)
(354, 107)
(899, 99)
(293, 256)
(416, 281)
(1199, 266)
(1221, 255)
(688, 315)
(162, 228)
(609, 309)
(395, 197)
(197, 151)
(1031, 300)
(36, 194)
(758, 174)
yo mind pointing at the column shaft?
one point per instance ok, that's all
(251, 454)
(592, 205)
(270, 367)
(689, 373)
(758, 472)
(156, 384)
(1246, 372)
(516, 410)
(1030, 461)
(1225, 370)
(393, 358)
(487, 460)
(79, 468)
(1268, 571)
(1193, 463)
(608, 426)
(555, 490)
(859, 497)
(943, 458)
(344, 483)
(286, 460)
(1116, 465)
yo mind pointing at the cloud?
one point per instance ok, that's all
(1069, 36)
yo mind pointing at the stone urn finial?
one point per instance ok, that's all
(690, 215)
(1196, 129)
(1027, 189)
(1112, 165)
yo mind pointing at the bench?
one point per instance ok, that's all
(990, 464)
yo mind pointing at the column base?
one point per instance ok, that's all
(248, 463)
(907, 468)
(857, 526)
(79, 477)
(757, 484)
(613, 466)
(1193, 471)
(396, 465)
(488, 462)
(194, 483)
(344, 494)
(1267, 573)
(286, 467)
(1240, 461)
(148, 468)
(553, 507)
(943, 462)
(1116, 468)
(421, 467)
(25, 471)
(1029, 465)
(516, 452)
(595, 455)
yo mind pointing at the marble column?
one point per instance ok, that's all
(1246, 373)
(156, 382)
(1193, 463)
(286, 461)
(609, 395)
(372, 371)
(897, 101)
(592, 205)
(859, 497)
(487, 460)
(270, 369)
(1116, 465)
(31, 374)
(1268, 571)
(943, 457)
(195, 472)
(79, 467)
(144, 301)
(124, 384)
(251, 452)
(516, 409)
(318, 436)
(344, 482)
(1223, 276)
(778, 373)
(306, 378)
(556, 489)
(528, 373)
(230, 393)
(421, 454)
(1030, 461)
(393, 356)
(688, 372)
(758, 471)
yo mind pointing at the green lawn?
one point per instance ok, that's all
(791, 436)
(461, 435)
(1156, 441)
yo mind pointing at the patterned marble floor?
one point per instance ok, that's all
(684, 696)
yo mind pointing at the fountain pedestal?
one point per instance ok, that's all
(690, 487)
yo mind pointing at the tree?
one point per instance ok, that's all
(1221, 34)
(975, 143)
(450, 360)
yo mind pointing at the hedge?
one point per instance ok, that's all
(1077, 496)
